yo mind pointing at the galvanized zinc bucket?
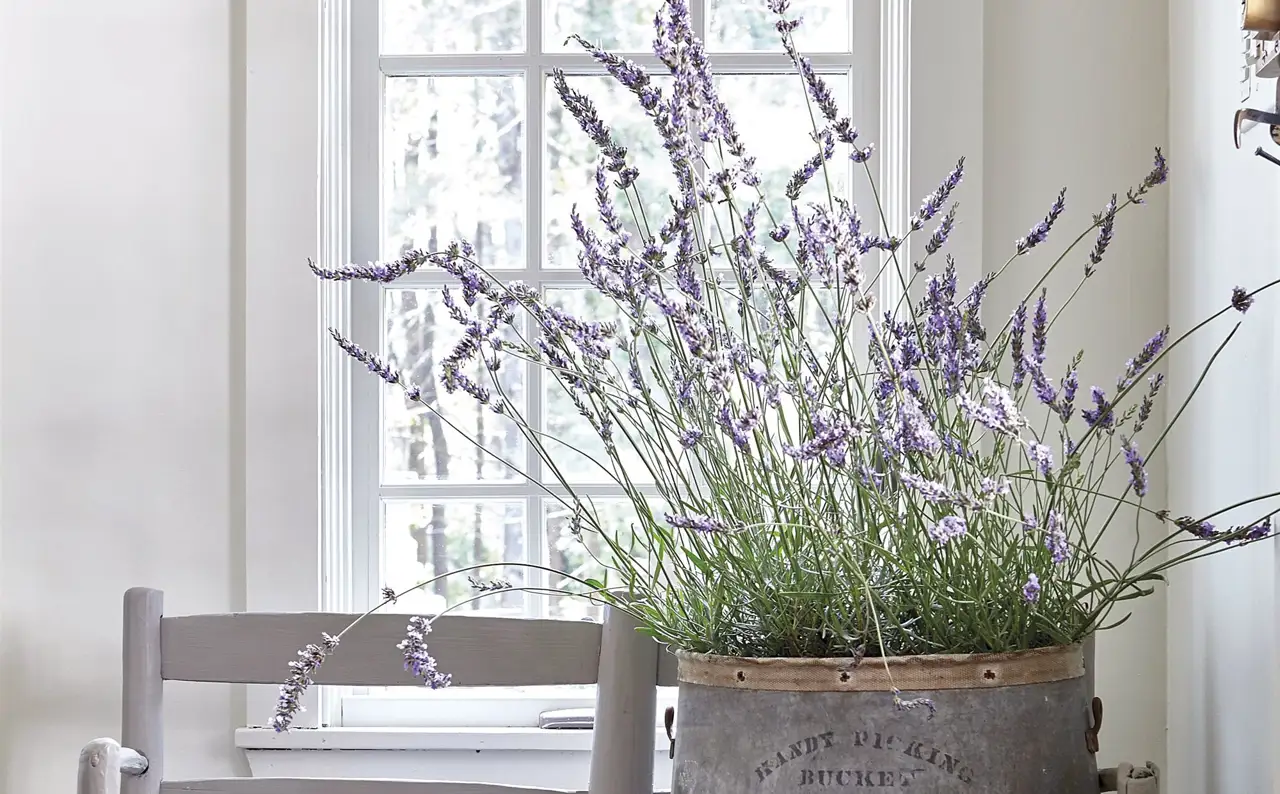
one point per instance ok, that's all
(1004, 724)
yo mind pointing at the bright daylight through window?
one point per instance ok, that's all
(471, 142)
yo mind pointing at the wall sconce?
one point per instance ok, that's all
(1262, 15)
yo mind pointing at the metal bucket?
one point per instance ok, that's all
(1004, 724)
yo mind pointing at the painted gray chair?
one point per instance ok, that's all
(478, 651)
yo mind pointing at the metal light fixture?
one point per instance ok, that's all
(1262, 15)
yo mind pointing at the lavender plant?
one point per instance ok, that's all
(840, 477)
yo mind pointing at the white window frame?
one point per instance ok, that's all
(351, 492)
(291, 159)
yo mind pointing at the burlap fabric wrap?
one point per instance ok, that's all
(907, 673)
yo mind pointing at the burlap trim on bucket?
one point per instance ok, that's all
(910, 673)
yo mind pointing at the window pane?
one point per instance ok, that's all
(422, 540)
(412, 27)
(584, 554)
(614, 25)
(571, 167)
(577, 448)
(774, 121)
(417, 443)
(453, 166)
(748, 25)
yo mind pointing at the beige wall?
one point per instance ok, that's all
(1224, 209)
(116, 317)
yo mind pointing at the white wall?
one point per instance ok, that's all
(117, 321)
(1223, 221)
(1076, 95)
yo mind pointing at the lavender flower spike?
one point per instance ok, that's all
(948, 529)
(417, 659)
(1031, 590)
(1041, 456)
(1055, 538)
(932, 204)
(1158, 176)
(301, 671)
(1135, 366)
(1137, 466)
(1106, 223)
(1040, 232)
(704, 524)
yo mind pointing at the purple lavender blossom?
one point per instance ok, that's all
(948, 529)
(417, 659)
(1040, 232)
(811, 166)
(1135, 366)
(1106, 223)
(1101, 415)
(998, 411)
(1241, 300)
(375, 364)
(690, 438)
(1040, 456)
(1148, 401)
(1055, 538)
(830, 440)
(1137, 466)
(1016, 333)
(1066, 406)
(379, 271)
(910, 430)
(934, 492)
(703, 524)
(779, 234)
(991, 487)
(1158, 176)
(934, 202)
(739, 428)
(1040, 329)
(1031, 590)
(301, 672)
(940, 235)
(1029, 523)
(1201, 529)
(584, 112)
(1257, 531)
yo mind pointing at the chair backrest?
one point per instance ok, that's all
(477, 651)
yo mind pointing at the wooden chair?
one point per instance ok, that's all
(254, 648)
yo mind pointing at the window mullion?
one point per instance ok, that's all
(535, 532)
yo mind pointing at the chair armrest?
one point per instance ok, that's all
(102, 762)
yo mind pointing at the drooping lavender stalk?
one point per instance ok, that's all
(383, 272)
(301, 672)
(583, 111)
(1040, 232)
(910, 704)
(1241, 300)
(417, 658)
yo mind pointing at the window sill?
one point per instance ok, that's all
(511, 756)
(476, 739)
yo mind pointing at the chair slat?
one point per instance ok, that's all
(302, 785)
(255, 648)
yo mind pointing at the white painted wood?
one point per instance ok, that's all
(477, 651)
(302, 785)
(142, 707)
(623, 738)
(99, 768)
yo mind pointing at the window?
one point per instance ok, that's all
(456, 132)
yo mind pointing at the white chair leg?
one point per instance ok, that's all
(1128, 779)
